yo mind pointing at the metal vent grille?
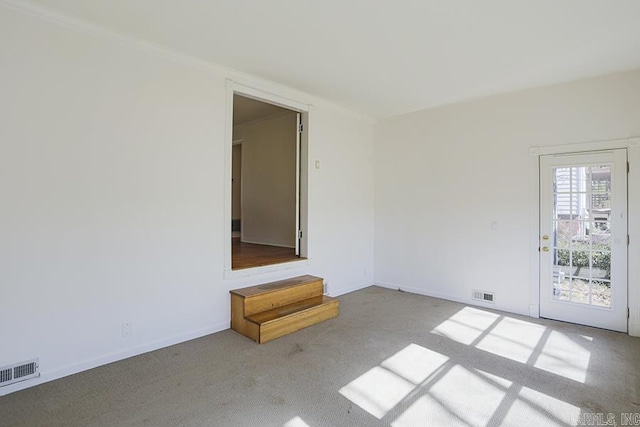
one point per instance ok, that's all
(24, 370)
(482, 296)
(19, 372)
(6, 375)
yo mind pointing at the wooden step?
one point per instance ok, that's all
(271, 310)
(267, 296)
(284, 320)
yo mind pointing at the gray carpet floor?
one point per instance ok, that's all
(390, 358)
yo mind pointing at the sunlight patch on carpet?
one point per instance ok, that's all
(380, 389)
(460, 395)
(513, 339)
(415, 363)
(466, 326)
(563, 355)
(540, 409)
(295, 422)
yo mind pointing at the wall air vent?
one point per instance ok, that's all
(482, 296)
(19, 372)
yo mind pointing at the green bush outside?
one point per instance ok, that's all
(601, 257)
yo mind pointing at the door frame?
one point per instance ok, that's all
(298, 228)
(613, 317)
(234, 88)
(633, 214)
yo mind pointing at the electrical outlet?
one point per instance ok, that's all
(126, 329)
(325, 287)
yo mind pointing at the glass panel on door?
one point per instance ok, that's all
(581, 239)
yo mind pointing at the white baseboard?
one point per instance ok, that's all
(349, 290)
(429, 293)
(46, 376)
(450, 297)
(634, 327)
(534, 311)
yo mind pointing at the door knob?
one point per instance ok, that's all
(545, 249)
(545, 237)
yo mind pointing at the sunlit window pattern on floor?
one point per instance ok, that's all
(513, 339)
(467, 325)
(565, 356)
(436, 389)
(295, 422)
(380, 389)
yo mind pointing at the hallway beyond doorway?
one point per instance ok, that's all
(248, 255)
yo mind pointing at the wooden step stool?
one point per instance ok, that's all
(271, 310)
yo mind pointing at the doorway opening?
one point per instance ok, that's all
(268, 192)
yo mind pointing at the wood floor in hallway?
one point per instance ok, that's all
(248, 255)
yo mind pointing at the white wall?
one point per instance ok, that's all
(468, 164)
(341, 200)
(112, 187)
(269, 179)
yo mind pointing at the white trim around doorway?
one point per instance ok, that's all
(260, 95)
(633, 155)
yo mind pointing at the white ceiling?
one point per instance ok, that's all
(382, 57)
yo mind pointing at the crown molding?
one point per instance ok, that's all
(109, 34)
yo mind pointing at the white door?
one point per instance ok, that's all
(297, 207)
(583, 238)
